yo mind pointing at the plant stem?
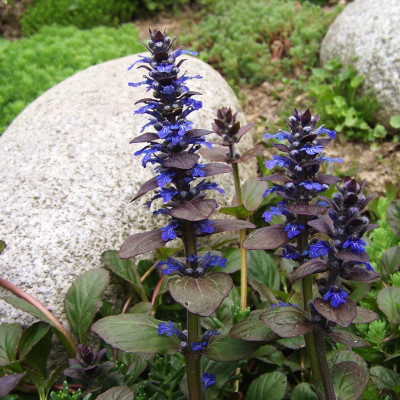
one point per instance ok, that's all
(323, 365)
(193, 323)
(68, 341)
(242, 233)
(307, 295)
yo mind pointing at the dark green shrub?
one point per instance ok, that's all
(255, 41)
(336, 91)
(32, 65)
(83, 14)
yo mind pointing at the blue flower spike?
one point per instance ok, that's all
(336, 296)
(207, 380)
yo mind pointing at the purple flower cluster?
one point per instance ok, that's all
(198, 265)
(302, 157)
(170, 329)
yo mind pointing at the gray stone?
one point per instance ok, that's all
(370, 31)
(67, 175)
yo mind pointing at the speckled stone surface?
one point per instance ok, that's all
(370, 31)
(67, 174)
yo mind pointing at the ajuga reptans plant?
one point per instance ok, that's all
(343, 257)
(181, 182)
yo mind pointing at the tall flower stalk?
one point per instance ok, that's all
(171, 148)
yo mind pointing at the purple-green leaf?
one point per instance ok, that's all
(306, 209)
(225, 225)
(275, 178)
(393, 216)
(117, 393)
(193, 133)
(252, 193)
(327, 179)
(390, 262)
(146, 137)
(348, 380)
(181, 161)
(201, 296)
(343, 315)
(323, 225)
(195, 210)
(226, 348)
(215, 154)
(347, 338)
(389, 302)
(212, 169)
(365, 316)
(287, 321)
(270, 237)
(243, 130)
(310, 267)
(252, 329)
(140, 243)
(8, 383)
(349, 256)
(135, 333)
(238, 211)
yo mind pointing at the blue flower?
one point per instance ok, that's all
(144, 109)
(272, 190)
(198, 346)
(355, 244)
(210, 334)
(165, 68)
(168, 232)
(322, 130)
(293, 229)
(204, 226)
(168, 330)
(319, 249)
(165, 177)
(282, 161)
(280, 135)
(172, 265)
(211, 260)
(310, 185)
(336, 296)
(209, 186)
(279, 210)
(164, 131)
(311, 149)
(368, 266)
(197, 170)
(207, 380)
(290, 253)
(281, 304)
(167, 194)
(330, 159)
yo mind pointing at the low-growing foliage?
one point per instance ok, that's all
(251, 41)
(336, 92)
(30, 66)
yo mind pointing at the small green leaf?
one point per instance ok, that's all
(263, 268)
(271, 386)
(117, 393)
(135, 333)
(37, 356)
(321, 73)
(23, 305)
(9, 339)
(8, 383)
(389, 301)
(226, 348)
(390, 262)
(384, 378)
(141, 308)
(83, 301)
(303, 391)
(266, 294)
(252, 193)
(357, 81)
(232, 256)
(238, 212)
(339, 101)
(252, 329)
(393, 216)
(121, 267)
(395, 121)
(201, 296)
(31, 337)
(287, 321)
(2, 246)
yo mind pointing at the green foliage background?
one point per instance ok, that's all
(30, 66)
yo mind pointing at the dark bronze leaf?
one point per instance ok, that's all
(146, 137)
(141, 243)
(201, 296)
(310, 267)
(349, 256)
(275, 178)
(181, 161)
(198, 132)
(270, 237)
(212, 169)
(215, 154)
(306, 209)
(281, 147)
(243, 130)
(327, 179)
(254, 152)
(347, 338)
(225, 225)
(287, 321)
(323, 225)
(151, 184)
(343, 315)
(195, 210)
(365, 316)
(359, 273)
